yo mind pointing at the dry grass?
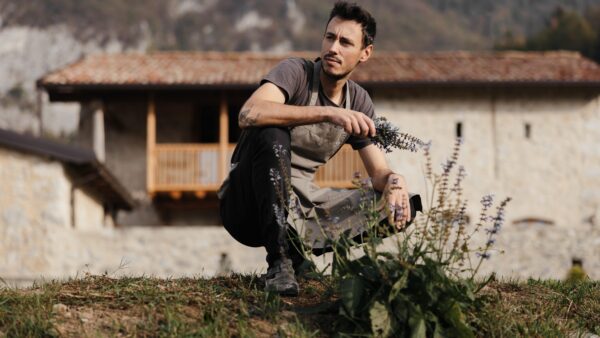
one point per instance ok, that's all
(236, 306)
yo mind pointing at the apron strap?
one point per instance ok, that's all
(314, 88)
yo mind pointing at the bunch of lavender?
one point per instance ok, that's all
(389, 136)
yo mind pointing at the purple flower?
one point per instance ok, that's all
(485, 255)
(462, 173)
(447, 166)
(487, 200)
(426, 146)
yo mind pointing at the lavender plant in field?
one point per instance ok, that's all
(388, 137)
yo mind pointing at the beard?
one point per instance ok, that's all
(337, 77)
(334, 76)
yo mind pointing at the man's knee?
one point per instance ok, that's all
(273, 137)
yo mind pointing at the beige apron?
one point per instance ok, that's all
(319, 214)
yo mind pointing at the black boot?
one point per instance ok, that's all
(280, 278)
(280, 275)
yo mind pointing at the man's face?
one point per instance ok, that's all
(341, 49)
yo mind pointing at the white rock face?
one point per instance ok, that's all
(252, 20)
(14, 118)
(26, 54)
(295, 15)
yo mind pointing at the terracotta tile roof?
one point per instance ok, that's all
(246, 69)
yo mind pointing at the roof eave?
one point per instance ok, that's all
(461, 83)
(72, 88)
(73, 157)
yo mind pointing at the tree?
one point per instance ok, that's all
(565, 30)
(593, 17)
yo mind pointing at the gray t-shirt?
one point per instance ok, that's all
(292, 77)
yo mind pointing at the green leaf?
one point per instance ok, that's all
(417, 327)
(438, 331)
(381, 323)
(352, 293)
(398, 286)
(458, 326)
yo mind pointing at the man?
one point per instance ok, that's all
(301, 114)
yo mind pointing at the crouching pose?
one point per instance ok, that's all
(300, 116)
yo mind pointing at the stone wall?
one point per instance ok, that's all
(88, 213)
(186, 251)
(35, 195)
(549, 175)
(34, 191)
(58, 253)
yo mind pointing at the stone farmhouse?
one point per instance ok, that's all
(166, 123)
(49, 187)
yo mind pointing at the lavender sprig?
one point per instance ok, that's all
(388, 136)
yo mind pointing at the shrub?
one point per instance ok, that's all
(425, 287)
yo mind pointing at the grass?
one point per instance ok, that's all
(236, 306)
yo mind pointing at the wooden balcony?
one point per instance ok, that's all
(199, 168)
(188, 167)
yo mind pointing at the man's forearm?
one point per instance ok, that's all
(259, 113)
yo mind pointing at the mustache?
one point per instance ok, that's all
(332, 56)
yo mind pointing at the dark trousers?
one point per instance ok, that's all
(257, 192)
(257, 189)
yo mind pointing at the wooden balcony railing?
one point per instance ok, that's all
(195, 168)
(187, 167)
(339, 171)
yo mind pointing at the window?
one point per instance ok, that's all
(533, 221)
(527, 130)
(459, 129)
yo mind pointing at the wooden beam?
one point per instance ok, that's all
(150, 146)
(223, 138)
(98, 131)
(176, 195)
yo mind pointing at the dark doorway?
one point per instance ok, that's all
(205, 123)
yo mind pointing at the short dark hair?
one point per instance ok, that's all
(347, 11)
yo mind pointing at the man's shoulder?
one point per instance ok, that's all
(291, 76)
(294, 62)
(357, 88)
(360, 95)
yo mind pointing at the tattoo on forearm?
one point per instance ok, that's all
(246, 121)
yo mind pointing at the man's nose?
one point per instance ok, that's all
(334, 47)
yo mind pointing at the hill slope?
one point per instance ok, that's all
(290, 24)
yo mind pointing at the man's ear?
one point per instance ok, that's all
(366, 53)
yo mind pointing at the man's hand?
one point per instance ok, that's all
(396, 196)
(353, 122)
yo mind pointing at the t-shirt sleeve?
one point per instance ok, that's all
(289, 75)
(361, 102)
